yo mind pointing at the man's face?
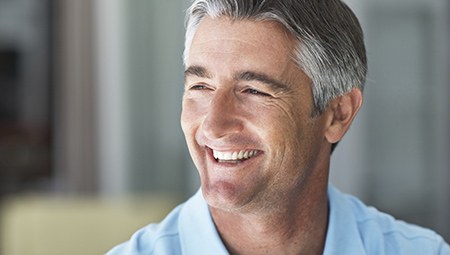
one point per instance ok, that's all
(247, 115)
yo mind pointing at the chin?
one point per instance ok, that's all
(224, 196)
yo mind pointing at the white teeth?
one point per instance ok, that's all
(233, 156)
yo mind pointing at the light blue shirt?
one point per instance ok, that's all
(353, 228)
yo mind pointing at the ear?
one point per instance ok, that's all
(342, 112)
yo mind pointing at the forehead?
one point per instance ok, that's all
(225, 49)
(223, 35)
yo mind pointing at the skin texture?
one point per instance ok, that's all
(243, 91)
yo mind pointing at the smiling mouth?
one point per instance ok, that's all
(234, 156)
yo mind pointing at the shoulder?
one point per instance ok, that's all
(383, 234)
(188, 229)
(158, 238)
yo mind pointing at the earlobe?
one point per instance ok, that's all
(343, 112)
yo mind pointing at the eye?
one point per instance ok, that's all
(198, 87)
(255, 92)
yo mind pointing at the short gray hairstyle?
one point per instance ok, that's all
(330, 46)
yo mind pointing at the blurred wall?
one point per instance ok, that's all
(157, 152)
(145, 149)
(74, 111)
(25, 98)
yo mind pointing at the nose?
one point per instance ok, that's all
(223, 116)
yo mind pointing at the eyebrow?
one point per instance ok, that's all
(197, 71)
(201, 72)
(263, 78)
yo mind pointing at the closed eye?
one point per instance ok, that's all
(198, 87)
(255, 92)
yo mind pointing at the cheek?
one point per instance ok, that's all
(284, 122)
(190, 116)
(280, 134)
(189, 120)
(291, 133)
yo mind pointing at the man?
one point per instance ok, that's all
(270, 88)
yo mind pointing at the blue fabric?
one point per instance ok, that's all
(353, 228)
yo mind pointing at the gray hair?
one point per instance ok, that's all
(330, 46)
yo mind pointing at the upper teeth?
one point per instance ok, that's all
(234, 155)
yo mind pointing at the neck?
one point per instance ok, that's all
(299, 228)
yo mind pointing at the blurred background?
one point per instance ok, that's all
(90, 96)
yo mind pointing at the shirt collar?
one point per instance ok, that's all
(342, 234)
(199, 235)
